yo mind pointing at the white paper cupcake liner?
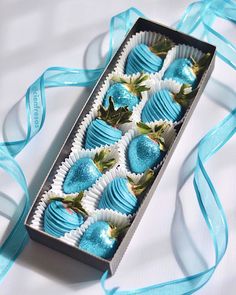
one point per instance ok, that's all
(148, 38)
(157, 85)
(37, 220)
(57, 185)
(92, 197)
(181, 51)
(78, 142)
(169, 136)
(115, 218)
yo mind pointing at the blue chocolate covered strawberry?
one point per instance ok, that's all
(104, 129)
(63, 215)
(187, 70)
(126, 92)
(122, 193)
(146, 150)
(165, 105)
(148, 59)
(85, 171)
(101, 239)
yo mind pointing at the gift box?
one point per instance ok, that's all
(143, 31)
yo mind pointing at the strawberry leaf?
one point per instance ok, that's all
(102, 162)
(114, 117)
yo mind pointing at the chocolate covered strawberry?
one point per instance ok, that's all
(63, 215)
(104, 129)
(85, 171)
(126, 91)
(187, 70)
(147, 149)
(122, 193)
(148, 59)
(101, 239)
(165, 105)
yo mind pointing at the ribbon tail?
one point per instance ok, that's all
(224, 48)
(17, 239)
(35, 100)
(211, 209)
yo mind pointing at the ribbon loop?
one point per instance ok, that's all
(199, 15)
(204, 13)
(35, 100)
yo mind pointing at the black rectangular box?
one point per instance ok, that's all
(100, 263)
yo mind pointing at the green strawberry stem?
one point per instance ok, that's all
(184, 97)
(139, 187)
(72, 202)
(162, 47)
(114, 117)
(115, 231)
(101, 161)
(134, 85)
(154, 134)
(202, 64)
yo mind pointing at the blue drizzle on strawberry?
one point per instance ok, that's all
(122, 193)
(99, 133)
(148, 59)
(142, 59)
(59, 220)
(162, 106)
(103, 130)
(118, 196)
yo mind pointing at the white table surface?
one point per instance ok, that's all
(37, 34)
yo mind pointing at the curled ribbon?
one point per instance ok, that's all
(211, 209)
(203, 13)
(198, 13)
(35, 101)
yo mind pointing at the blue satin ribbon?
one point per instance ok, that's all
(35, 102)
(198, 20)
(211, 209)
(199, 13)
(203, 13)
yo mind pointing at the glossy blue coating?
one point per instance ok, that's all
(118, 197)
(181, 71)
(59, 220)
(96, 240)
(121, 96)
(143, 153)
(81, 176)
(99, 133)
(142, 59)
(161, 106)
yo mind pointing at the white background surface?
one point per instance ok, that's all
(37, 34)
